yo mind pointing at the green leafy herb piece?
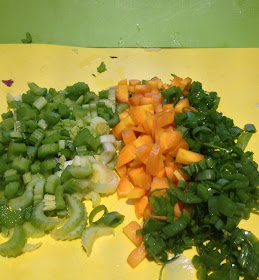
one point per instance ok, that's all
(28, 39)
(102, 67)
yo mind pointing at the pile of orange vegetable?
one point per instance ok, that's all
(153, 149)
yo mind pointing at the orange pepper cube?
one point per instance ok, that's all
(136, 193)
(122, 94)
(137, 256)
(130, 231)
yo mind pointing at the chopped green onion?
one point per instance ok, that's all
(40, 103)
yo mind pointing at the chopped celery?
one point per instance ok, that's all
(91, 233)
(94, 197)
(46, 142)
(49, 202)
(31, 231)
(59, 191)
(80, 172)
(105, 181)
(109, 153)
(76, 232)
(40, 221)
(76, 210)
(100, 125)
(51, 184)
(31, 247)
(22, 201)
(11, 190)
(15, 244)
(38, 191)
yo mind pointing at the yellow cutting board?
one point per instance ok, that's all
(233, 73)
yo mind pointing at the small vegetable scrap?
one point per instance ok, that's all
(28, 39)
(184, 165)
(102, 67)
(8, 83)
(56, 151)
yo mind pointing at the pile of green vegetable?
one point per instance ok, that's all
(222, 190)
(55, 151)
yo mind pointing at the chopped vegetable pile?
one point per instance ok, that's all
(192, 181)
(182, 163)
(56, 151)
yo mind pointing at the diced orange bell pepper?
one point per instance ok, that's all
(134, 82)
(183, 144)
(135, 163)
(159, 82)
(147, 212)
(155, 161)
(148, 123)
(176, 81)
(147, 107)
(122, 94)
(128, 121)
(169, 139)
(153, 84)
(190, 108)
(164, 118)
(168, 107)
(133, 172)
(158, 108)
(170, 174)
(135, 193)
(145, 100)
(186, 157)
(185, 83)
(154, 90)
(157, 98)
(126, 155)
(159, 183)
(161, 173)
(143, 180)
(122, 171)
(164, 86)
(123, 82)
(157, 131)
(128, 135)
(124, 187)
(134, 100)
(137, 256)
(131, 89)
(123, 115)
(138, 115)
(142, 89)
(143, 139)
(118, 129)
(130, 231)
(177, 211)
(140, 205)
(143, 151)
(183, 103)
(138, 129)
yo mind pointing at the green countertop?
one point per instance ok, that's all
(132, 23)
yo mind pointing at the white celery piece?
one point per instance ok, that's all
(107, 138)
(104, 180)
(94, 196)
(49, 202)
(31, 247)
(100, 125)
(109, 153)
(91, 233)
(112, 92)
